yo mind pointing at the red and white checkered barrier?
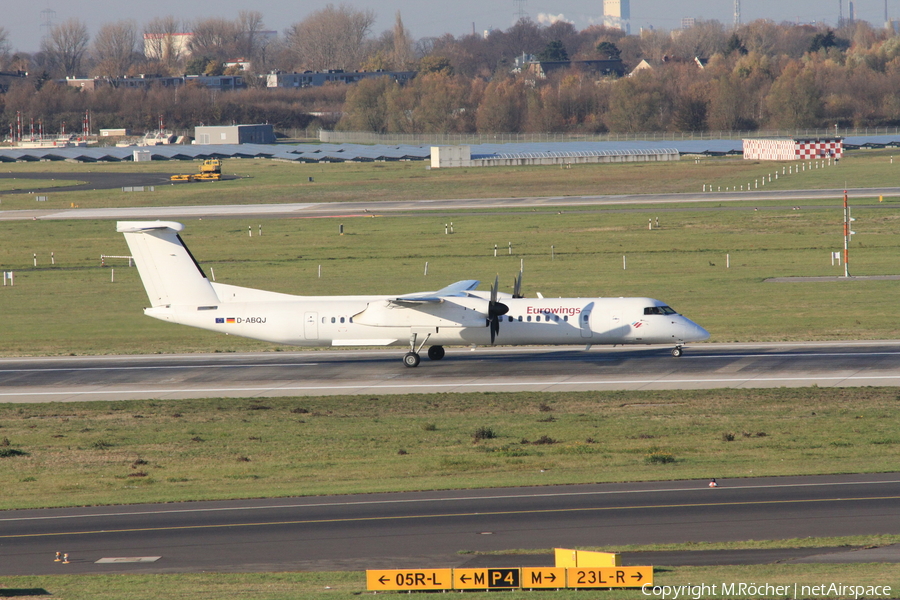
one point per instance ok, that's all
(793, 148)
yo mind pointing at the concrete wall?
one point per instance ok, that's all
(460, 156)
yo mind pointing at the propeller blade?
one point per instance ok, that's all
(495, 310)
(517, 286)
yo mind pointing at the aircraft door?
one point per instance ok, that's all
(311, 326)
(585, 319)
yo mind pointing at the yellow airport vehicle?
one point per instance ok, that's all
(210, 170)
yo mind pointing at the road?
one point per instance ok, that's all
(703, 366)
(429, 529)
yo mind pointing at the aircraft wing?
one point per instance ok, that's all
(454, 290)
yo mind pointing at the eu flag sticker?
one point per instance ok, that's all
(220, 320)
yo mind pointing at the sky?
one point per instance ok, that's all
(425, 18)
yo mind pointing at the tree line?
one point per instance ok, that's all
(760, 75)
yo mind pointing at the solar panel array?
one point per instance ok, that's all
(317, 153)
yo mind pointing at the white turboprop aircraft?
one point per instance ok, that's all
(180, 292)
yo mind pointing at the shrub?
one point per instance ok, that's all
(10, 452)
(484, 433)
(659, 458)
(727, 437)
(544, 439)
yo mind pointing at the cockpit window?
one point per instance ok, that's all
(659, 310)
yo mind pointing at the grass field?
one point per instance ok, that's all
(65, 454)
(74, 307)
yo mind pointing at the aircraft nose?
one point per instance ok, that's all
(693, 332)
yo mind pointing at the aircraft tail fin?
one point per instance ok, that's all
(167, 268)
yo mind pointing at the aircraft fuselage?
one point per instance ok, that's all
(371, 321)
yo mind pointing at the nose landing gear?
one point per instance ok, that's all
(677, 351)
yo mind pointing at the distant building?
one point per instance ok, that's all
(650, 65)
(7, 77)
(218, 82)
(688, 22)
(793, 148)
(167, 46)
(617, 14)
(316, 78)
(234, 134)
(540, 69)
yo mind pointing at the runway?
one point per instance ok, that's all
(347, 372)
(452, 205)
(430, 529)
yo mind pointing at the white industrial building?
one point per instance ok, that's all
(234, 134)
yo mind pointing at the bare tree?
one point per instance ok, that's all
(250, 42)
(704, 39)
(214, 38)
(4, 47)
(66, 45)
(332, 38)
(114, 49)
(165, 42)
(402, 54)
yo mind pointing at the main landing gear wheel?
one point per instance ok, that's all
(436, 352)
(411, 359)
(677, 351)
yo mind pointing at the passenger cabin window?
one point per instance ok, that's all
(537, 318)
(659, 310)
(332, 319)
(342, 319)
(566, 318)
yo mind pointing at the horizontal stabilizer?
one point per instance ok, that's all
(454, 290)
